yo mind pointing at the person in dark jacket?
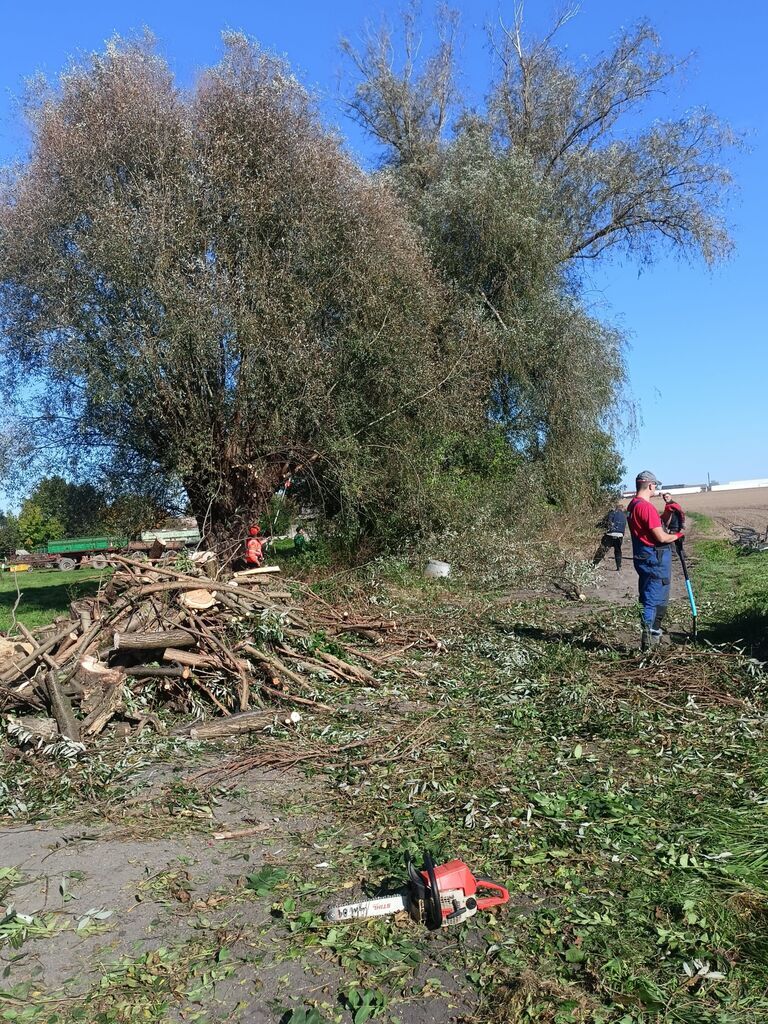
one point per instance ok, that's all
(615, 525)
(673, 517)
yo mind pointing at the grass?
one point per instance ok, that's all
(733, 588)
(44, 594)
(622, 801)
(704, 525)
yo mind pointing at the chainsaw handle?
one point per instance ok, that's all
(484, 902)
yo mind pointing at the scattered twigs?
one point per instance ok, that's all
(275, 755)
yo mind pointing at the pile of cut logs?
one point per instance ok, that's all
(156, 638)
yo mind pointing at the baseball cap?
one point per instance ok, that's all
(647, 477)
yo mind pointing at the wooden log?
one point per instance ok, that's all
(153, 641)
(62, 709)
(263, 570)
(188, 658)
(274, 663)
(87, 639)
(160, 671)
(235, 725)
(31, 640)
(111, 702)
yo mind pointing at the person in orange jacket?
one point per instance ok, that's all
(254, 548)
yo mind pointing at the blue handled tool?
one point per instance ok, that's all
(688, 587)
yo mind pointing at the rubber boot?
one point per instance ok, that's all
(650, 638)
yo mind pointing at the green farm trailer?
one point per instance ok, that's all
(93, 552)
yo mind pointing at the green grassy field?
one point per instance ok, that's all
(44, 594)
(732, 585)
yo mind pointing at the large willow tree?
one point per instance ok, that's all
(563, 164)
(202, 285)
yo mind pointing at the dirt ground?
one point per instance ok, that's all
(156, 889)
(748, 507)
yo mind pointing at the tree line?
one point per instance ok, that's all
(201, 289)
(57, 508)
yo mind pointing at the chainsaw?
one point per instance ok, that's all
(438, 896)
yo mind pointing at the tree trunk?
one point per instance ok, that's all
(226, 504)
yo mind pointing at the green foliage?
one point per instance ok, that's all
(365, 1005)
(36, 527)
(78, 507)
(223, 318)
(10, 538)
(266, 879)
(235, 315)
(305, 1016)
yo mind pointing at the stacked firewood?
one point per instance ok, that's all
(157, 638)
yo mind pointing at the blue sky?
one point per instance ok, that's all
(697, 361)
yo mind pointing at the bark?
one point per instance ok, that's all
(62, 709)
(153, 641)
(235, 725)
(104, 710)
(188, 658)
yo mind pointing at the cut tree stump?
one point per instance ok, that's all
(198, 600)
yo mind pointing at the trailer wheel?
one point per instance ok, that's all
(99, 562)
(66, 564)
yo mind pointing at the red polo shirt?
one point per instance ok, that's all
(642, 518)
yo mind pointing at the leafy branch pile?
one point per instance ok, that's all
(156, 637)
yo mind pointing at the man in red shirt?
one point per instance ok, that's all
(651, 555)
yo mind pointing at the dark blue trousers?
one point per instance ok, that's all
(654, 574)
